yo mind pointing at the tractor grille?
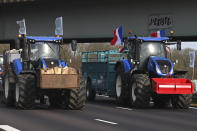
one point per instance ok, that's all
(51, 63)
(164, 66)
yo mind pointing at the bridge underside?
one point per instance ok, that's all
(94, 21)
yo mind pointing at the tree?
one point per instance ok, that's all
(183, 61)
(74, 58)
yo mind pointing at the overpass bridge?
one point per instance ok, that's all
(94, 20)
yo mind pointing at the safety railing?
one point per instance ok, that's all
(103, 56)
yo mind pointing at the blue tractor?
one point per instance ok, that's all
(35, 72)
(148, 73)
(138, 75)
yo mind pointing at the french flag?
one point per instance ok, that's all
(118, 37)
(160, 33)
(121, 48)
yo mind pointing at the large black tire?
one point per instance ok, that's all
(161, 101)
(90, 93)
(141, 90)
(121, 88)
(181, 101)
(77, 97)
(25, 92)
(8, 90)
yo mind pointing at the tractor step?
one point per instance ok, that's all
(172, 86)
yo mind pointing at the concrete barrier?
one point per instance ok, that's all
(195, 86)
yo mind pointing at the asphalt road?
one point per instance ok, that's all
(101, 115)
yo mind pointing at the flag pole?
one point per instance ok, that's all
(193, 74)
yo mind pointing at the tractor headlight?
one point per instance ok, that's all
(158, 70)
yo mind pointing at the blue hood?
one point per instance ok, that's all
(160, 66)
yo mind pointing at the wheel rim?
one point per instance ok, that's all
(6, 87)
(118, 86)
(133, 91)
(17, 93)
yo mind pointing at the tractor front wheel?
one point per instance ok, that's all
(77, 97)
(181, 101)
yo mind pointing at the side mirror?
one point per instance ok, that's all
(178, 45)
(74, 45)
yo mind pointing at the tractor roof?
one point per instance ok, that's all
(149, 38)
(44, 38)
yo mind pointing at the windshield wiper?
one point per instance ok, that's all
(51, 49)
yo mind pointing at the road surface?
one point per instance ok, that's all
(101, 115)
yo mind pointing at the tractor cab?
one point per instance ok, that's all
(150, 55)
(46, 50)
(42, 52)
(142, 48)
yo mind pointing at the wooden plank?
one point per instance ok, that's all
(58, 70)
(56, 81)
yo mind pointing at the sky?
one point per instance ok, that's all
(192, 45)
(184, 45)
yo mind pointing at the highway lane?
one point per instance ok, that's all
(101, 115)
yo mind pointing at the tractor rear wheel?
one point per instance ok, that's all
(122, 93)
(25, 92)
(181, 101)
(141, 90)
(77, 97)
(161, 101)
(8, 89)
(90, 93)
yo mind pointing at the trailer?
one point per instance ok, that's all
(98, 70)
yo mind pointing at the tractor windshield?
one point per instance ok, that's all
(152, 49)
(44, 50)
(148, 49)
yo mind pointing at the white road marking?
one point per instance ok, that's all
(193, 108)
(104, 121)
(124, 108)
(8, 128)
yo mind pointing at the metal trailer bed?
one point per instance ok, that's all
(98, 67)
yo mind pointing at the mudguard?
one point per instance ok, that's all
(18, 66)
(61, 63)
(125, 63)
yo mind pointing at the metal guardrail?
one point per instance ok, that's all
(103, 56)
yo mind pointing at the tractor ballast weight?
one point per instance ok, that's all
(36, 70)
